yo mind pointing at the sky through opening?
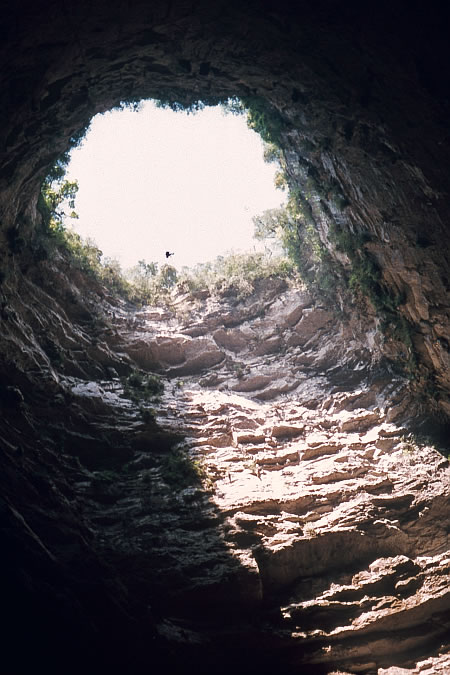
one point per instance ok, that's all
(157, 180)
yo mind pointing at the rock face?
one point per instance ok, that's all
(307, 532)
(360, 112)
(270, 510)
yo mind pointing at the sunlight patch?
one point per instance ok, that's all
(156, 182)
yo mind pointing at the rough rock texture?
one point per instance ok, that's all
(362, 94)
(316, 541)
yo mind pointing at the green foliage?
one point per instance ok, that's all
(309, 530)
(57, 195)
(271, 224)
(139, 386)
(56, 198)
(239, 368)
(167, 277)
(236, 275)
(147, 415)
(272, 153)
(409, 444)
(147, 270)
(294, 226)
(58, 170)
(180, 471)
(261, 117)
(56, 203)
(185, 102)
(149, 285)
(85, 255)
(366, 280)
(397, 327)
(233, 106)
(365, 276)
(131, 104)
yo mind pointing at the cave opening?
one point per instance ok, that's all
(106, 556)
(152, 178)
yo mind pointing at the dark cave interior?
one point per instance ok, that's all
(362, 92)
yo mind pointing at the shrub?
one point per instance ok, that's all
(148, 285)
(140, 386)
(236, 275)
(180, 471)
(294, 227)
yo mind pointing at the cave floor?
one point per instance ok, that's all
(270, 502)
(315, 504)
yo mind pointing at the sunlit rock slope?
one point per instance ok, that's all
(355, 94)
(268, 511)
(311, 533)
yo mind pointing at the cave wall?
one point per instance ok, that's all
(367, 88)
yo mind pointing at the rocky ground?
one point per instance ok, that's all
(269, 509)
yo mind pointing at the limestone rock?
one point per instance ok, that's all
(176, 355)
(254, 383)
(234, 340)
(322, 553)
(312, 321)
(286, 431)
(284, 493)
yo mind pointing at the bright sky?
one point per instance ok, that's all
(156, 180)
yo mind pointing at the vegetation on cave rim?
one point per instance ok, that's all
(366, 279)
(235, 275)
(263, 118)
(295, 226)
(312, 201)
(179, 471)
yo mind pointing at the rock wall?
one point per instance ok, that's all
(361, 95)
(269, 510)
(313, 534)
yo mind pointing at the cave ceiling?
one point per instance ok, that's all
(324, 67)
(104, 561)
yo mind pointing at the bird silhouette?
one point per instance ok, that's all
(168, 254)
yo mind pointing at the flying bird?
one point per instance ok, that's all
(168, 254)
